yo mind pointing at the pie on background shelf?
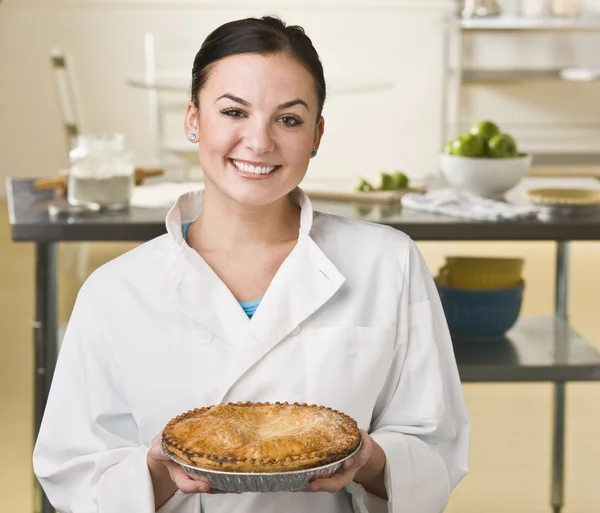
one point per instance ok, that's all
(261, 438)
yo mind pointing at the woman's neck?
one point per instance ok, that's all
(225, 225)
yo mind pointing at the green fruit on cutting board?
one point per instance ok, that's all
(400, 180)
(485, 129)
(502, 146)
(386, 182)
(363, 186)
(468, 145)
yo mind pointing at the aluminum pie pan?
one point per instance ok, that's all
(241, 482)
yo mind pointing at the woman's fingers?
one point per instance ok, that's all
(156, 451)
(185, 482)
(157, 454)
(348, 469)
(333, 483)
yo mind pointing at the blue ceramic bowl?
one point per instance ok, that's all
(481, 314)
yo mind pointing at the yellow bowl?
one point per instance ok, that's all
(481, 273)
(442, 279)
(486, 264)
(469, 281)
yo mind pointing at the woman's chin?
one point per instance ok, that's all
(256, 197)
(252, 193)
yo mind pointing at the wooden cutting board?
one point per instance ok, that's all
(385, 197)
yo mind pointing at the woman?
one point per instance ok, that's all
(252, 296)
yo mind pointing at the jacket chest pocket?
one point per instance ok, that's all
(346, 367)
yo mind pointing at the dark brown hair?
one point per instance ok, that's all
(266, 35)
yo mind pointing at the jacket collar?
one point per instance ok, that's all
(306, 280)
(188, 206)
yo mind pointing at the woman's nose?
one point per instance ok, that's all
(258, 138)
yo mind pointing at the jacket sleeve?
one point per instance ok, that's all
(420, 419)
(88, 457)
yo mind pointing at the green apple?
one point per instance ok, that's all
(485, 129)
(400, 180)
(502, 146)
(468, 145)
(386, 182)
(363, 186)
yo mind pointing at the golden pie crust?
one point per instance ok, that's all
(261, 437)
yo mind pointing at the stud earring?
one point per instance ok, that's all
(192, 137)
(313, 152)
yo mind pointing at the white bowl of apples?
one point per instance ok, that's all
(484, 161)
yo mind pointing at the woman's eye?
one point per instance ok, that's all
(232, 113)
(291, 121)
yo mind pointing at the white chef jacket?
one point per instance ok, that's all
(352, 320)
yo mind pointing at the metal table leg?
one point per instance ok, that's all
(558, 455)
(45, 336)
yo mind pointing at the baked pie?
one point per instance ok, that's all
(261, 437)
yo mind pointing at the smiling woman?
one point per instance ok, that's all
(262, 131)
(252, 298)
(257, 96)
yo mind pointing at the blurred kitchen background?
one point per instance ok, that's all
(405, 77)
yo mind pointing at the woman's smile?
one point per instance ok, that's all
(253, 170)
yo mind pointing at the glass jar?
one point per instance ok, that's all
(101, 172)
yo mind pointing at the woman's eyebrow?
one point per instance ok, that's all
(233, 98)
(285, 105)
(291, 103)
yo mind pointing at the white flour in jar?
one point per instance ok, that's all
(114, 191)
(101, 172)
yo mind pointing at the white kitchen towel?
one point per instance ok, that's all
(462, 204)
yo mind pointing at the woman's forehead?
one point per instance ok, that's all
(262, 75)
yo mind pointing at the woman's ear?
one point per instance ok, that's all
(191, 122)
(319, 130)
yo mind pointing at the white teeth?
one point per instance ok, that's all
(257, 170)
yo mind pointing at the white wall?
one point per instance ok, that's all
(395, 39)
(399, 40)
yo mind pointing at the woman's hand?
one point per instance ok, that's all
(168, 476)
(365, 467)
(160, 463)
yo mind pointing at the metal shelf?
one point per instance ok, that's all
(535, 349)
(457, 78)
(507, 22)
(486, 76)
(566, 159)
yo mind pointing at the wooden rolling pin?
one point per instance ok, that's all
(61, 181)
